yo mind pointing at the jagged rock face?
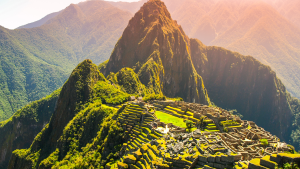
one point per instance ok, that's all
(241, 82)
(152, 34)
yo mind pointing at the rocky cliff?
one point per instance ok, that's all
(153, 41)
(241, 82)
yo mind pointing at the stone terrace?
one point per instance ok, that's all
(222, 140)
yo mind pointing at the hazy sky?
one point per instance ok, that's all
(14, 13)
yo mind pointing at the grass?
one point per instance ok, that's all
(167, 118)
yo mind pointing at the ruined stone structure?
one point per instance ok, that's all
(221, 140)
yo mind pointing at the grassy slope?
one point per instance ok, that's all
(167, 118)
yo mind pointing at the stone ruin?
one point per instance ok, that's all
(231, 142)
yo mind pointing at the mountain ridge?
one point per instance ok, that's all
(34, 53)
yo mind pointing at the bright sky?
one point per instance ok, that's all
(15, 13)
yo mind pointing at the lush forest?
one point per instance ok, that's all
(37, 61)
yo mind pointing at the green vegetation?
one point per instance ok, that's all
(264, 142)
(167, 118)
(189, 125)
(35, 62)
(94, 128)
(290, 166)
(129, 80)
(30, 120)
(24, 77)
(154, 97)
(109, 94)
(225, 129)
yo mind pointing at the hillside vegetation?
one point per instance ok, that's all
(82, 120)
(35, 62)
(19, 131)
(154, 58)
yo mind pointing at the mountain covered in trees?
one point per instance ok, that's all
(37, 61)
(154, 58)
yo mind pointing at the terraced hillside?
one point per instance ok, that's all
(95, 125)
(202, 148)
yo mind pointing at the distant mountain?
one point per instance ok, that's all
(40, 22)
(261, 32)
(289, 9)
(37, 61)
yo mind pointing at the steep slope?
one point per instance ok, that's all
(80, 122)
(153, 38)
(75, 93)
(240, 82)
(30, 56)
(24, 77)
(19, 131)
(270, 38)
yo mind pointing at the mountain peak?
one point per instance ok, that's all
(155, 12)
(153, 38)
(155, 8)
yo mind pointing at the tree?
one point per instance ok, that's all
(201, 121)
(264, 142)
(225, 129)
(290, 166)
(189, 125)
